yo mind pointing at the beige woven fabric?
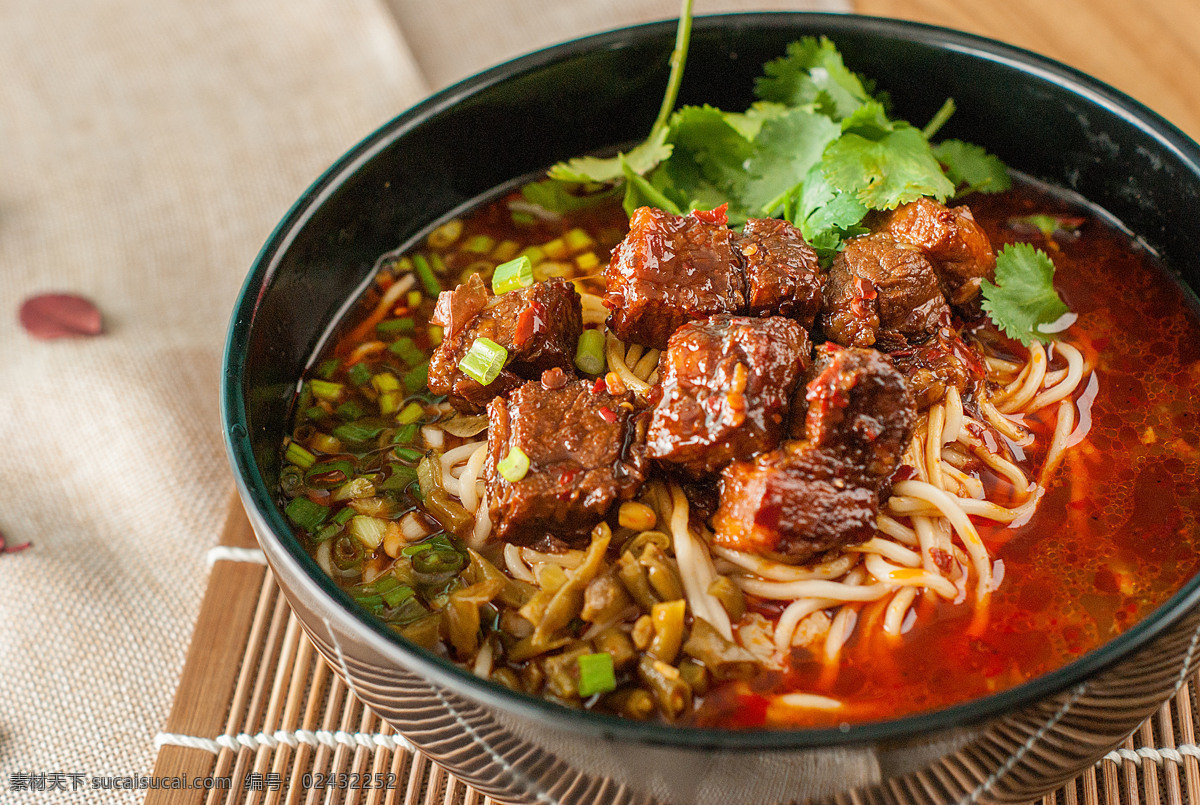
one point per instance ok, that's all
(146, 151)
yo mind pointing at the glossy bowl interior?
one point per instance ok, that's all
(1042, 118)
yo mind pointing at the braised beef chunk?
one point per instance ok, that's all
(724, 390)
(783, 276)
(585, 451)
(669, 270)
(941, 363)
(883, 294)
(822, 492)
(858, 407)
(796, 501)
(538, 325)
(957, 246)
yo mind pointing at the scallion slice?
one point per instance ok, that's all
(358, 432)
(484, 361)
(406, 434)
(297, 454)
(325, 390)
(306, 514)
(589, 353)
(349, 411)
(409, 454)
(425, 274)
(416, 378)
(410, 413)
(359, 374)
(514, 466)
(398, 594)
(394, 326)
(406, 350)
(596, 674)
(514, 274)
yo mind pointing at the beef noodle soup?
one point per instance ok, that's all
(609, 467)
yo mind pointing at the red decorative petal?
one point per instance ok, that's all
(58, 315)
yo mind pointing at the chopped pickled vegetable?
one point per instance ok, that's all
(596, 674)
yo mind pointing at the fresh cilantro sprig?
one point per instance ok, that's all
(645, 156)
(818, 148)
(1022, 301)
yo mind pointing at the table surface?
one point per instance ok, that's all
(1149, 49)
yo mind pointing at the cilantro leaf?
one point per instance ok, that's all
(826, 216)
(558, 197)
(750, 122)
(706, 168)
(784, 151)
(884, 163)
(812, 74)
(642, 158)
(1023, 299)
(642, 192)
(1047, 224)
(971, 168)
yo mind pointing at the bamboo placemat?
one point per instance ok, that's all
(257, 706)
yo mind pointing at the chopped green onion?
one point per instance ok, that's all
(394, 326)
(324, 390)
(297, 454)
(306, 514)
(589, 353)
(407, 351)
(343, 516)
(349, 411)
(398, 594)
(385, 382)
(357, 431)
(512, 275)
(406, 434)
(578, 240)
(329, 531)
(507, 250)
(522, 218)
(314, 412)
(413, 550)
(399, 479)
(425, 274)
(409, 454)
(410, 413)
(534, 253)
(479, 244)
(484, 361)
(367, 530)
(416, 378)
(359, 374)
(413, 298)
(327, 368)
(389, 401)
(514, 466)
(435, 334)
(385, 583)
(596, 674)
(369, 601)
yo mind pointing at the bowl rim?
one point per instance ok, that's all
(260, 500)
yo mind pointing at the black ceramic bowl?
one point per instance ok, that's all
(1041, 117)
